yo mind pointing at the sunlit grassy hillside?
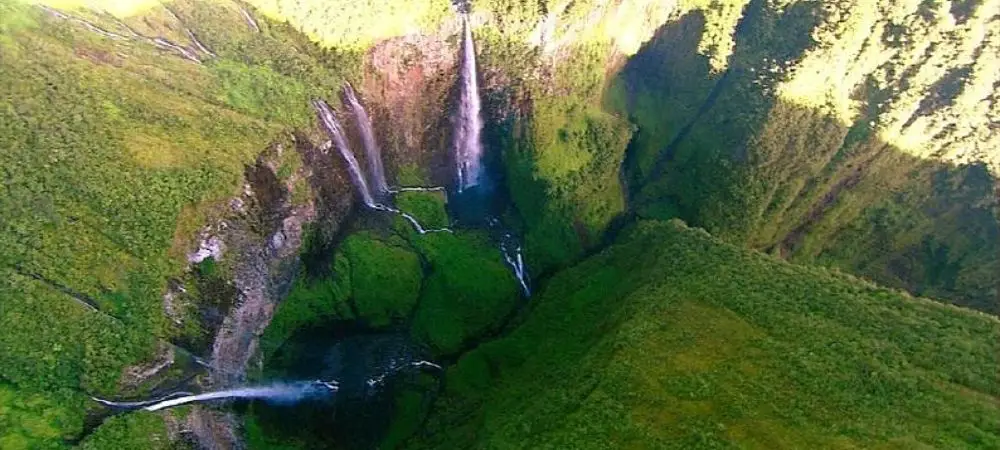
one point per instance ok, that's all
(112, 149)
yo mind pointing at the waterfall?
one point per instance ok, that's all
(510, 248)
(468, 143)
(417, 189)
(337, 134)
(409, 218)
(275, 393)
(374, 156)
(514, 259)
(395, 367)
(250, 20)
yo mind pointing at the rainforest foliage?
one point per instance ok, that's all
(110, 149)
(672, 339)
(787, 126)
(850, 134)
(779, 151)
(446, 288)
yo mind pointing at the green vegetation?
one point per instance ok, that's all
(374, 281)
(135, 430)
(854, 135)
(468, 292)
(410, 408)
(111, 151)
(38, 421)
(412, 175)
(310, 303)
(465, 291)
(427, 207)
(781, 153)
(356, 24)
(672, 339)
(563, 160)
(385, 279)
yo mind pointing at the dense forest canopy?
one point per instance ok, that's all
(172, 218)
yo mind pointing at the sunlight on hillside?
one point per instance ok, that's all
(356, 24)
(935, 95)
(718, 40)
(118, 8)
(628, 25)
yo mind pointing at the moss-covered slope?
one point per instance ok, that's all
(672, 339)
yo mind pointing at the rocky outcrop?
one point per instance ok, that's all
(264, 234)
(407, 89)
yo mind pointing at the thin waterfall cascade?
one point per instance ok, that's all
(159, 42)
(336, 133)
(251, 22)
(275, 393)
(278, 393)
(409, 218)
(510, 248)
(515, 259)
(469, 126)
(190, 34)
(140, 404)
(376, 172)
(417, 189)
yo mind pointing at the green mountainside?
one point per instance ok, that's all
(672, 339)
(825, 147)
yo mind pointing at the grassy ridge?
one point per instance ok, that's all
(671, 339)
(110, 151)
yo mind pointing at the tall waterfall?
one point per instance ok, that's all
(468, 140)
(337, 134)
(376, 172)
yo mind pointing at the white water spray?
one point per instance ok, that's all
(136, 405)
(395, 367)
(376, 172)
(512, 255)
(416, 189)
(337, 134)
(468, 140)
(275, 393)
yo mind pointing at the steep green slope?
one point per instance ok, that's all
(673, 339)
(851, 134)
(113, 149)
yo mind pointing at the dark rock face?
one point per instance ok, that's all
(264, 239)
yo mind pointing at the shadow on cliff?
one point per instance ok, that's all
(721, 150)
